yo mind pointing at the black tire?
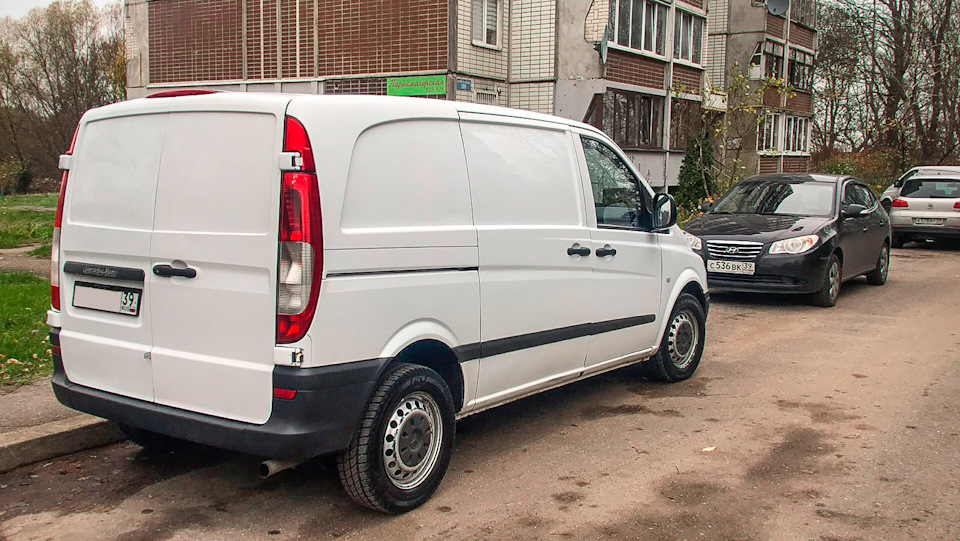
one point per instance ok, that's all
(878, 276)
(682, 345)
(830, 288)
(897, 242)
(153, 441)
(411, 397)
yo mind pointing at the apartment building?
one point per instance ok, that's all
(744, 36)
(634, 68)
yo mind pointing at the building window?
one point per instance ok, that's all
(631, 119)
(639, 24)
(800, 70)
(796, 134)
(687, 37)
(486, 98)
(768, 133)
(804, 12)
(772, 60)
(486, 22)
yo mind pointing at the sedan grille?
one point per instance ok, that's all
(731, 249)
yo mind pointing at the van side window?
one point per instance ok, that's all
(617, 197)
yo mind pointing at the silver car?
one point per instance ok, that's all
(927, 207)
(893, 191)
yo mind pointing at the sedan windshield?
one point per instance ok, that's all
(940, 188)
(779, 197)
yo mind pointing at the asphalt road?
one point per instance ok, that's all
(802, 423)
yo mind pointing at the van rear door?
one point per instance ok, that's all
(214, 257)
(105, 251)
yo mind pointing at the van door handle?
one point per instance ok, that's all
(167, 271)
(605, 251)
(576, 249)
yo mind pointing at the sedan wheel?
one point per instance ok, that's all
(878, 276)
(830, 289)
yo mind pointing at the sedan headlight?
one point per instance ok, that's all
(694, 241)
(794, 246)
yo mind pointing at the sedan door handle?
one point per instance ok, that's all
(167, 271)
(605, 251)
(576, 249)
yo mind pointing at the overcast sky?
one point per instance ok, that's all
(19, 8)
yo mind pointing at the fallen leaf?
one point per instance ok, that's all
(708, 449)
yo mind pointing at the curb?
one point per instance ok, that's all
(55, 439)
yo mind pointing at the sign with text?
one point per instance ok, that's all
(425, 85)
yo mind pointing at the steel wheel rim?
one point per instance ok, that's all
(884, 262)
(411, 441)
(834, 280)
(682, 339)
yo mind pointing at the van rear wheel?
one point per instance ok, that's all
(402, 447)
(682, 345)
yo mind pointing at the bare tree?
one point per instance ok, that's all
(55, 64)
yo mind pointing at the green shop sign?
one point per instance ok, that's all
(427, 85)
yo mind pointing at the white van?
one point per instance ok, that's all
(293, 276)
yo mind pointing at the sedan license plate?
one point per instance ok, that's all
(732, 267)
(929, 221)
(107, 298)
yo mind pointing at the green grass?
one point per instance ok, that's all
(47, 200)
(41, 252)
(20, 227)
(24, 335)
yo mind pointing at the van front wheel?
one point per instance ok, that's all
(401, 449)
(682, 344)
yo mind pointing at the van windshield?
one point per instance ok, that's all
(779, 198)
(945, 188)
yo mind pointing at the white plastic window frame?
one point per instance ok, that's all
(679, 15)
(769, 134)
(482, 23)
(661, 24)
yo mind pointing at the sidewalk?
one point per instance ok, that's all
(35, 427)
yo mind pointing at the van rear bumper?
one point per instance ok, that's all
(321, 419)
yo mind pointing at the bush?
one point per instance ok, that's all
(695, 181)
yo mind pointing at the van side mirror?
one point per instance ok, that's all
(664, 211)
(706, 206)
(850, 211)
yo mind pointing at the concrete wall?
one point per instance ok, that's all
(135, 30)
(577, 58)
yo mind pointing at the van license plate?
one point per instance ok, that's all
(732, 267)
(929, 221)
(107, 298)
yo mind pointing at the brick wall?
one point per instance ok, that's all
(372, 85)
(771, 98)
(801, 102)
(687, 79)
(768, 164)
(371, 36)
(536, 97)
(532, 39)
(796, 164)
(195, 40)
(775, 25)
(476, 60)
(635, 70)
(694, 3)
(801, 35)
(261, 36)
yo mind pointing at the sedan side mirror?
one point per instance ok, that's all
(850, 211)
(898, 184)
(706, 206)
(664, 212)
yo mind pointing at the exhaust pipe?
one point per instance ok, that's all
(270, 467)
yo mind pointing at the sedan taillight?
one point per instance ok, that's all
(898, 204)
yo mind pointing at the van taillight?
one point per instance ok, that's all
(898, 204)
(55, 241)
(300, 263)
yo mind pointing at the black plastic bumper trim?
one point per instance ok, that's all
(320, 420)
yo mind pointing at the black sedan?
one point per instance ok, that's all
(793, 233)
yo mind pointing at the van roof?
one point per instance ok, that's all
(234, 100)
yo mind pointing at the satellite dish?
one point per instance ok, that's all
(778, 7)
(604, 45)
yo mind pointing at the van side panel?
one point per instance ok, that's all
(528, 207)
(108, 217)
(217, 212)
(400, 257)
